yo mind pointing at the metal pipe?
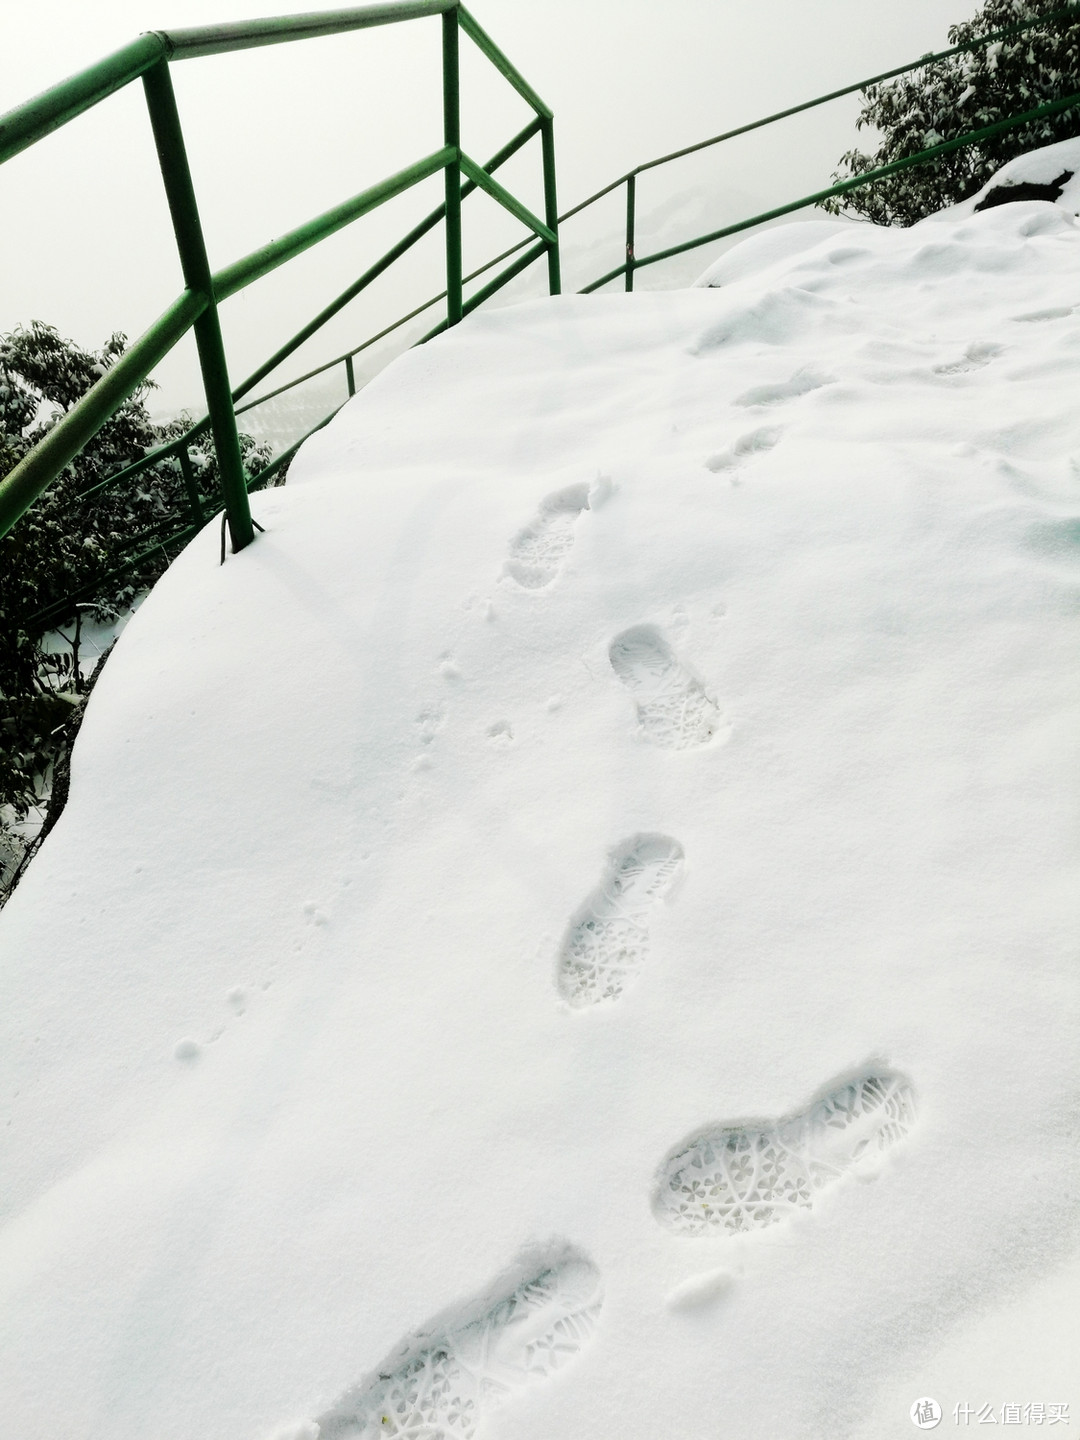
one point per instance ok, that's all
(63, 102)
(551, 205)
(1067, 11)
(152, 457)
(503, 278)
(452, 141)
(631, 188)
(187, 44)
(260, 262)
(972, 138)
(180, 193)
(416, 233)
(506, 200)
(36, 471)
(483, 40)
(56, 611)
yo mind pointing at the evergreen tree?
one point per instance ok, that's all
(960, 94)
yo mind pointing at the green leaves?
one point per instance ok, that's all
(68, 548)
(958, 95)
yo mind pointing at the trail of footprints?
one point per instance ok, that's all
(730, 1177)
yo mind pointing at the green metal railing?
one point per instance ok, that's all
(148, 58)
(632, 262)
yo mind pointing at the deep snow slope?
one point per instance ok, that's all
(626, 799)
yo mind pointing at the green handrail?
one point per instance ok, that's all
(241, 273)
(868, 177)
(149, 58)
(632, 263)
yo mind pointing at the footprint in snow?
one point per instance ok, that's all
(754, 442)
(974, 357)
(745, 1177)
(674, 711)
(609, 937)
(803, 382)
(537, 552)
(443, 1381)
(1055, 312)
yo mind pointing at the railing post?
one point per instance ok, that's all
(452, 136)
(180, 192)
(631, 187)
(350, 375)
(551, 206)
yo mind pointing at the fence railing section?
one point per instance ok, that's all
(149, 58)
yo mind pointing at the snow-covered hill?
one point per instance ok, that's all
(626, 798)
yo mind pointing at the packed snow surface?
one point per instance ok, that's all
(625, 799)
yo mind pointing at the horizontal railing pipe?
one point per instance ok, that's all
(36, 471)
(261, 262)
(54, 107)
(192, 43)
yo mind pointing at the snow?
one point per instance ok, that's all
(643, 743)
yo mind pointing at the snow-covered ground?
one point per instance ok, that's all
(625, 799)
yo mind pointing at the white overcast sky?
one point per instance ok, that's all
(278, 134)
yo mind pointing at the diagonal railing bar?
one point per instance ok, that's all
(484, 42)
(22, 485)
(373, 272)
(46, 618)
(242, 273)
(509, 202)
(503, 278)
(55, 107)
(175, 447)
(381, 334)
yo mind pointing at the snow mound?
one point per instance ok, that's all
(513, 903)
(1046, 167)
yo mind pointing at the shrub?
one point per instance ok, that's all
(960, 94)
(68, 545)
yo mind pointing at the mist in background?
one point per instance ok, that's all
(279, 134)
